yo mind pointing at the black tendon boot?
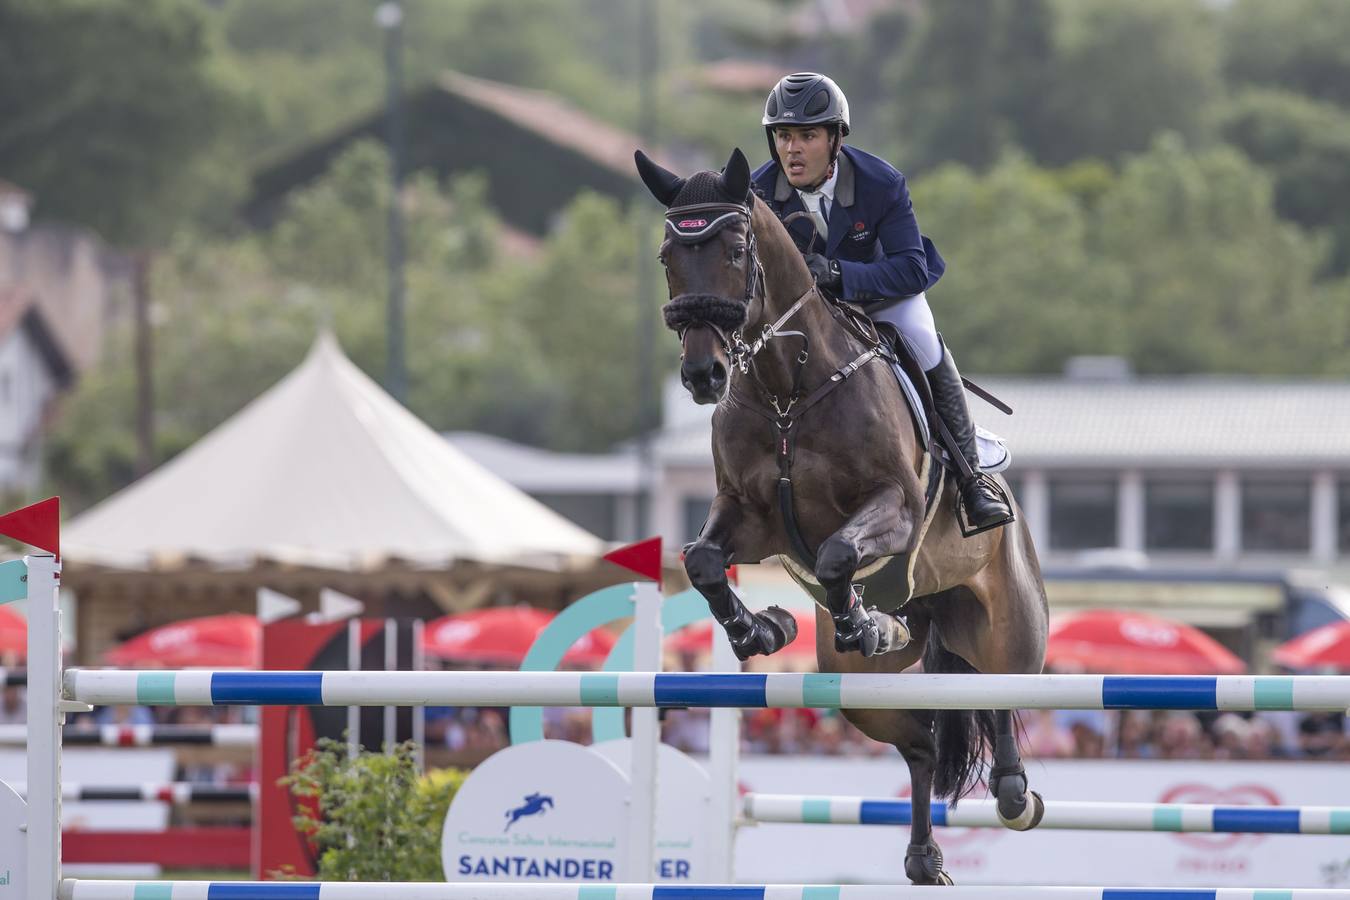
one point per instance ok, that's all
(985, 505)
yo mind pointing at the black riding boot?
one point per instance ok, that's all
(985, 506)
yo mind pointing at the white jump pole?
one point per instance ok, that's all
(644, 773)
(44, 727)
(724, 752)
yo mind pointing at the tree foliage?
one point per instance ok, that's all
(114, 113)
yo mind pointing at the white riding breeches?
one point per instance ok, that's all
(912, 318)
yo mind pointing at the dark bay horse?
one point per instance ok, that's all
(793, 381)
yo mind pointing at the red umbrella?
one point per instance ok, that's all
(503, 635)
(697, 638)
(1327, 647)
(1106, 641)
(13, 634)
(230, 641)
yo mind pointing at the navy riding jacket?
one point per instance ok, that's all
(873, 232)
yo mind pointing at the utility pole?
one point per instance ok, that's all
(389, 17)
(144, 353)
(648, 48)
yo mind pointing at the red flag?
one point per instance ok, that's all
(644, 558)
(733, 574)
(38, 525)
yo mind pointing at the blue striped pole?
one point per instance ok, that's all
(353, 890)
(1059, 814)
(680, 689)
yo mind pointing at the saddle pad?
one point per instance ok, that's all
(993, 450)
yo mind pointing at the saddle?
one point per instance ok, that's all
(893, 577)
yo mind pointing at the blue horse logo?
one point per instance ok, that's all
(534, 805)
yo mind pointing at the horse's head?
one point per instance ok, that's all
(712, 269)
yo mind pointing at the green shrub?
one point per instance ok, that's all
(372, 817)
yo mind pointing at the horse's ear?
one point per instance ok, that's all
(736, 176)
(665, 186)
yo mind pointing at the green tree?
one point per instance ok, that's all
(1300, 45)
(967, 83)
(1123, 73)
(1018, 294)
(580, 301)
(1305, 145)
(115, 113)
(1208, 277)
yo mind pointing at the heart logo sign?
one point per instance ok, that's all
(1236, 795)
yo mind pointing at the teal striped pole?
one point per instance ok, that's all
(683, 689)
(355, 890)
(1059, 815)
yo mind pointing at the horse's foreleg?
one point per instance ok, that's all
(706, 561)
(883, 526)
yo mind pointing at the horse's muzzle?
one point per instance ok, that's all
(705, 379)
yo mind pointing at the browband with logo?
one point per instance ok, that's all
(697, 222)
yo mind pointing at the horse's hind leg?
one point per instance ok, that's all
(1018, 808)
(883, 526)
(912, 734)
(706, 560)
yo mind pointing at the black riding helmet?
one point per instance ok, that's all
(806, 98)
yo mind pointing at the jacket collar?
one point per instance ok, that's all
(783, 191)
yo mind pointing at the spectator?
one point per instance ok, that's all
(13, 705)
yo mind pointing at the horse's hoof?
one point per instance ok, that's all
(760, 634)
(783, 625)
(923, 864)
(1023, 812)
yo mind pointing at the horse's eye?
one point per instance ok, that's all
(737, 254)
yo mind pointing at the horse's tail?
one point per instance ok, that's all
(965, 738)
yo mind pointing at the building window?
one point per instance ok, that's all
(695, 514)
(1343, 517)
(1082, 513)
(1179, 515)
(1276, 515)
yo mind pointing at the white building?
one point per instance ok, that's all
(33, 370)
(1213, 499)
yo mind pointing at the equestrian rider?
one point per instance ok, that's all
(865, 246)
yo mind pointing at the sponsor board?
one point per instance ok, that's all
(557, 811)
(541, 811)
(13, 853)
(682, 797)
(860, 854)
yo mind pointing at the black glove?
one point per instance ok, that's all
(826, 272)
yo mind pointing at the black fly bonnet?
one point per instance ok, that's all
(699, 211)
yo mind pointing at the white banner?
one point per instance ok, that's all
(860, 854)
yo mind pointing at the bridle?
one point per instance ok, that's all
(697, 223)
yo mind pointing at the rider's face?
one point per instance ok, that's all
(804, 153)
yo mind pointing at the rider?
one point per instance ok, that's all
(865, 246)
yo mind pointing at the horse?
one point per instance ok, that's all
(819, 463)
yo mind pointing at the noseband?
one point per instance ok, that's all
(698, 223)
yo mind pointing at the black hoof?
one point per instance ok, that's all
(923, 865)
(1018, 808)
(760, 634)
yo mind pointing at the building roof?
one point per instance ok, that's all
(19, 309)
(1182, 422)
(324, 469)
(544, 471)
(456, 123)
